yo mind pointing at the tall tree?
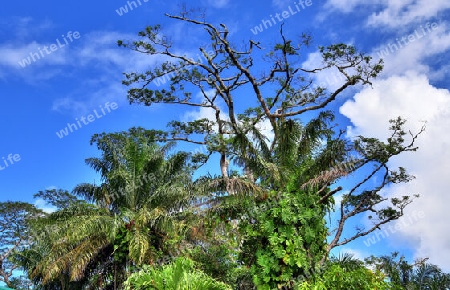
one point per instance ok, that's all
(135, 215)
(285, 161)
(15, 232)
(41, 237)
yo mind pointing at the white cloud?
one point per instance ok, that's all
(78, 105)
(392, 13)
(357, 254)
(64, 104)
(203, 112)
(41, 204)
(99, 48)
(410, 96)
(42, 68)
(265, 127)
(397, 13)
(345, 6)
(13, 54)
(413, 97)
(331, 78)
(405, 90)
(98, 51)
(404, 55)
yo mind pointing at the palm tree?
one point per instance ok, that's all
(280, 172)
(137, 212)
(417, 276)
(346, 261)
(429, 277)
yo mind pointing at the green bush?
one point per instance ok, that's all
(178, 275)
(337, 278)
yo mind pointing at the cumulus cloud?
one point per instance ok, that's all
(393, 14)
(425, 41)
(413, 97)
(201, 113)
(396, 13)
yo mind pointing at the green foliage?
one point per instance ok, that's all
(338, 278)
(20, 283)
(285, 232)
(15, 232)
(135, 215)
(121, 245)
(178, 275)
(286, 238)
(58, 198)
(217, 260)
(339, 53)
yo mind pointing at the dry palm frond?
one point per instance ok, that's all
(80, 257)
(325, 177)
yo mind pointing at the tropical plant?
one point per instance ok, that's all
(178, 275)
(291, 170)
(137, 213)
(403, 275)
(346, 261)
(338, 278)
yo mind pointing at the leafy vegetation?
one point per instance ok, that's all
(15, 218)
(179, 275)
(260, 223)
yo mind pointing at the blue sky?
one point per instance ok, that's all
(79, 73)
